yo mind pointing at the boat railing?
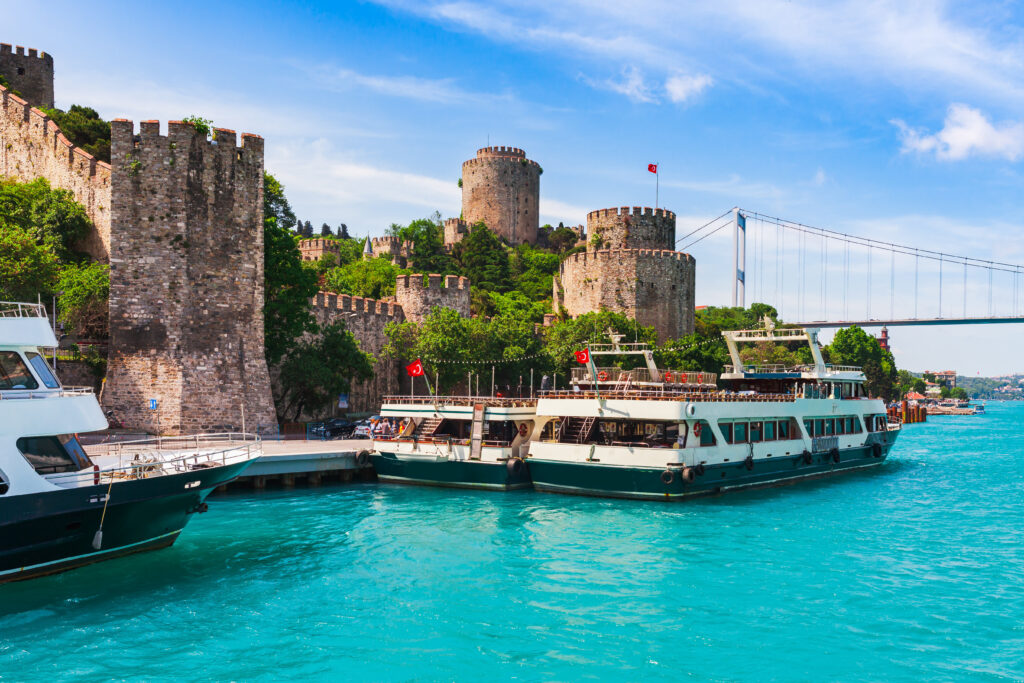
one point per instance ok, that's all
(161, 456)
(780, 368)
(23, 394)
(670, 395)
(496, 401)
(613, 374)
(440, 441)
(17, 309)
(824, 444)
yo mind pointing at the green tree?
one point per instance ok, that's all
(443, 334)
(52, 216)
(84, 127)
(854, 346)
(373, 278)
(694, 353)
(27, 268)
(484, 259)
(288, 286)
(314, 372)
(85, 291)
(564, 338)
(562, 239)
(919, 386)
(958, 393)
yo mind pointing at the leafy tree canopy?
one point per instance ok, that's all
(27, 268)
(854, 346)
(314, 372)
(374, 278)
(484, 259)
(83, 303)
(563, 339)
(288, 286)
(52, 216)
(84, 127)
(428, 252)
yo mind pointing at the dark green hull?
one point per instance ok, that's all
(594, 479)
(471, 474)
(51, 532)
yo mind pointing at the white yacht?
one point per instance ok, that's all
(664, 435)
(61, 509)
(463, 442)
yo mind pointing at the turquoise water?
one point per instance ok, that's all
(913, 572)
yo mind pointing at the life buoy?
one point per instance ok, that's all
(834, 453)
(699, 469)
(696, 428)
(602, 376)
(96, 475)
(667, 477)
(363, 458)
(691, 409)
(687, 474)
(668, 377)
(700, 378)
(514, 465)
(749, 463)
(523, 430)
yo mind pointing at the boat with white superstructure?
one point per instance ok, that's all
(62, 508)
(457, 441)
(663, 435)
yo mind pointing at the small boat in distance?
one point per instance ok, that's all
(456, 441)
(62, 508)
(663, 435)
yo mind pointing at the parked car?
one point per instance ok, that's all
(337, 428)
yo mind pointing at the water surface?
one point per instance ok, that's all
(912, 572)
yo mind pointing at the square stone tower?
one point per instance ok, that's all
(30, 74)
(186, 281)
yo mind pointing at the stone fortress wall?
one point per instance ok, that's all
(32, 146)
(639, 275)
(455, 230)
(417, 297)
(186, 280)
(313, 249)
(399, 251)
(30, 74)
(501, 187)
(365, 319)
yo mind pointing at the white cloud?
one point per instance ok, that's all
(554, 211)
(632, 86)
(733, 186)
(681, 87)
(443, 90)
(819, 178)
(966, 132)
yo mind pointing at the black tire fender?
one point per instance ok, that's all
(687, 474)
(749, 462)
(668, 476)
(807, 457)
(514, 465)
(834, 454)
(876, 450)
(699, 469)
(363, 458)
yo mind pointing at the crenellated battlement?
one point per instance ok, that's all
(455, 230)
(491, 152)
(5, 49)
(333, 303)
(224, 141)
(489, 160)
(29, 73)
(417, 294)
(611, 255)
(630, 211)
(34, 147)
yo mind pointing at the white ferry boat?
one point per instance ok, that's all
(61, 509)
(463, 442)
(665, 435)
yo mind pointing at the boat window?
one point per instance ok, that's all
(739, 432)
(43, 370)
(755, 432)
(830, 427)
(707, 437)
(726, 431)
(769, 431)
(784, 430)
(54, 454)
(14, 373)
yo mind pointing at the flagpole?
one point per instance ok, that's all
(657, 182)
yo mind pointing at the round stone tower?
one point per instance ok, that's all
(501, 187)
(632, 228)
(631, 267)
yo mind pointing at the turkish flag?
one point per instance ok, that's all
(653, 168)
(415, 368)
(583, 356)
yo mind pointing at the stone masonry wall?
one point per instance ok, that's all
(313, 249)
(455, 230)
(634, 228)
(366, 320)
(397, 250)
(417, 298)
(655, 287)
(32, 146)
(186, 280)
(501, 187)
(30, 74)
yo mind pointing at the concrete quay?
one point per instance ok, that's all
(288, 463)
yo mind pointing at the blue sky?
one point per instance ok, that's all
(899, 121)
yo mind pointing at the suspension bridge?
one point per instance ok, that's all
(824, 278)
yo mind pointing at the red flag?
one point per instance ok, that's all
(653, 168)
(415, 368)
(583, 356)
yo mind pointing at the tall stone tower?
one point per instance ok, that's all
(186, 281)
(30, 74)
(501, 187)
(631, 267)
